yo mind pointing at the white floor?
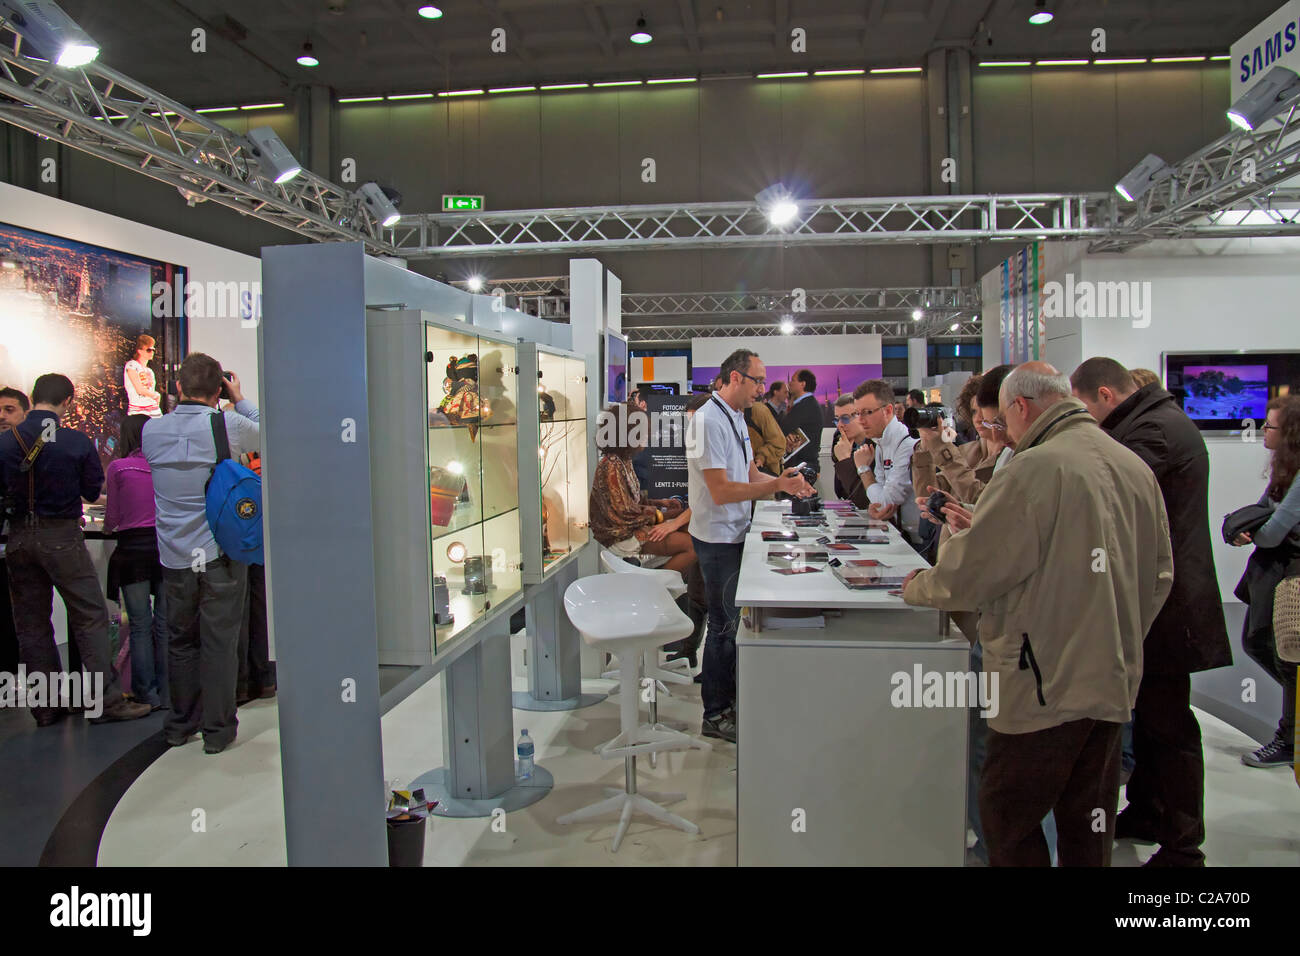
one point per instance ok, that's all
(1252, 816)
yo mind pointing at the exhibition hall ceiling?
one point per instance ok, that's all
(380, 46)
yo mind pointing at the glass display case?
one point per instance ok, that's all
(553, 441)
(445, 478)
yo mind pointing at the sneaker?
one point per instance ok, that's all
(179, 741)
(723, 727)
(122, 709)
(1275, 753)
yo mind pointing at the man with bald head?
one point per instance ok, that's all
(1068, 559)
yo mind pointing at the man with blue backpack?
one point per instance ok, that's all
(209, 513)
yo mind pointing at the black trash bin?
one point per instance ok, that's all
(406, 841)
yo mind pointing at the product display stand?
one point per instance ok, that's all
(554, 650)
(478, 736)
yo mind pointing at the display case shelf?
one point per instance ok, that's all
(444, 448)
(553, 439)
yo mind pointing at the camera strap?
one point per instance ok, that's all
(27, 465)
(730, 423)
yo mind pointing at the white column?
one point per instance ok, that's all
(917, 362)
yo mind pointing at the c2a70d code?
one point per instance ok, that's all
(1204, 896)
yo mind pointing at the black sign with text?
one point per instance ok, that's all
(667, 452)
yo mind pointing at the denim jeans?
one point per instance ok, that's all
(720, 565)
(148, 642)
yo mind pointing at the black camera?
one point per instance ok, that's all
(813, 503)
(934, 504)
(931, 416)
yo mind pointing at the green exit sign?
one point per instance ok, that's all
(462, 203)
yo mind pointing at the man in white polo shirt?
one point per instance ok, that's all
(722, 481)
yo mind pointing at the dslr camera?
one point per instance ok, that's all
(813, 503)
(931, 416)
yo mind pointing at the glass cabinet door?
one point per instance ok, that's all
(579, 490)
(499, 447)
(562, 454)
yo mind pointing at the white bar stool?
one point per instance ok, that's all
(674, 672)
(623, 614)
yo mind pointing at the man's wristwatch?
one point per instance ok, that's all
(863, 469)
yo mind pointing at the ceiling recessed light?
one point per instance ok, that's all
(306, 58)
(642, 33)
(1041, 14)
(430, 12)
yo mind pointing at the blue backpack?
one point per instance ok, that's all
(234, 502)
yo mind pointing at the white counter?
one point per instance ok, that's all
(830, 772)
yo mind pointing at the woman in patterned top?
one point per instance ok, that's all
(142, 395)
(622, 518)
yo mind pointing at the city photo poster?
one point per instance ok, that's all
(75, 308)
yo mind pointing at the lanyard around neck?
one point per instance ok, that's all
(730, 422)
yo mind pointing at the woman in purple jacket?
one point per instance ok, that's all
(133, 568)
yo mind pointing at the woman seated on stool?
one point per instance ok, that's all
(622, 518)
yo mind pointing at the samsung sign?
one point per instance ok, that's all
(1275, 42)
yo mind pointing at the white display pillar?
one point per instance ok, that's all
(917, 363)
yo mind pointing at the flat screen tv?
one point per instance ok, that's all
(74, 308)
(615, 368)
(1224, 391)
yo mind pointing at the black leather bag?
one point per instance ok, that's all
(1250, 518)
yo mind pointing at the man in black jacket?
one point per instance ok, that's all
(1166, 792)
(804, 412)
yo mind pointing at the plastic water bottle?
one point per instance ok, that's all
(524, 751)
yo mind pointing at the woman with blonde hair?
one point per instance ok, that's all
(141, 386)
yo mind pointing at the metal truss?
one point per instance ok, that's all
(918, 219)
(1228, 189)
(649, 335)
(101, 112)
(802, 302)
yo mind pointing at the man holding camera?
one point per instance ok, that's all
(879, 474)
(205, 588)
(722, 480)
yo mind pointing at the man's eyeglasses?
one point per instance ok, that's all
(843, 419)
(999, 423)
(864, 412)
(756, 381)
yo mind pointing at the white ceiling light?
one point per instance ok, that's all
(1261, 101)
(45, 26)
(475, 283)
(954, 327)
(272, 155)
(1140, 178)
(380, 204)
(778, 205)
(430, 12)
(787, 326)
(1041, 14)
(916, 315)
(642, 33)
(306, 57)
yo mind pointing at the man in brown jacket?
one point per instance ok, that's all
(1068, 559)
(766, 437)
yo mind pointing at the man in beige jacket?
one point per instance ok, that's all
(1068, 559)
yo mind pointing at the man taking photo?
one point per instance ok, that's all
(722, 480)
(1166, 792)
(1068, 558)
(205, 588)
